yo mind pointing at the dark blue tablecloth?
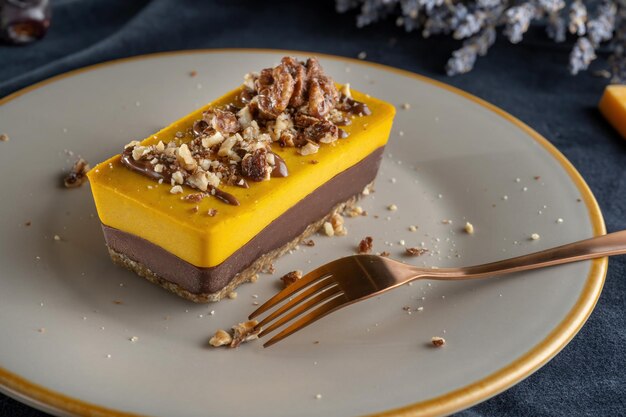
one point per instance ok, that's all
(529, 80)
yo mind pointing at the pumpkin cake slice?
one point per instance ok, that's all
(204, 204)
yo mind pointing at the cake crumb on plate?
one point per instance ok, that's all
(438, 341)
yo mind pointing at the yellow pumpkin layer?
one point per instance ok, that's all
(136, 204)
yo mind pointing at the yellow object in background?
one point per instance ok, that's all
(613, 107)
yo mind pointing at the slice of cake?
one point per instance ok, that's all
(203, 205)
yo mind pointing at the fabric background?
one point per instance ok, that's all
(529, 80)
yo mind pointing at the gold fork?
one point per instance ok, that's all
(355, 278)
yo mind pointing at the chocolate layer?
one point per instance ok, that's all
(284, 229)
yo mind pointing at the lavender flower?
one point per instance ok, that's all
(472, 24)
(517, 21)
(463, 59)
(581, 56)
(578, 18)
(551, 6)
(601, 28)
(476, 21)
(556, 27)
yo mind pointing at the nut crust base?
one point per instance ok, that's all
(261, 264)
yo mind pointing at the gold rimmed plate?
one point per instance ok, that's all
(83, 337)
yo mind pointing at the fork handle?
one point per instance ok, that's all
(596, 247)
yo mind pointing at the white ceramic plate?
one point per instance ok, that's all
(450, 157)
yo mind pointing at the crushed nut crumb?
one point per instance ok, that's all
(291, 277)
(328, 229)
(254, 278)
(177, 189)
(415, 251)
(384, 254)
(406, 106)
(469, 228)
(57, 238)
(438, 341)
(194, 197)
(535, 236)
(193, 73)
(212, 212)
(309, 242)
(220, 338)
(355, 211)
(412, 228)
(232, 295)
(4, 137)
(392, 207)
(365, 246)
(244, 332)
(77, 175)
(362, 55)
(336, 220)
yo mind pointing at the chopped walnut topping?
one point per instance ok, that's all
(177, 189)
(212, 212)
(415, 251)
(194, 197)
(365, 246)
(221, 338)
(293, 105)
(77, 175)
(308, 149)
(290, 277)
(244, 332)
(438, 341)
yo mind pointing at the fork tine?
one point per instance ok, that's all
(310, 318)
(309, 278)
(316, 287)
(325, 295)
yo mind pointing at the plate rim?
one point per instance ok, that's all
(461, 398)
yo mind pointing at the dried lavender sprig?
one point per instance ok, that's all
(578, 18)
(463, 59)
(474, 19)
(518, 20)
(581, 56)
